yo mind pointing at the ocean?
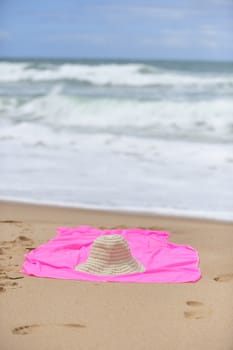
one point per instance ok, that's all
(153, 137)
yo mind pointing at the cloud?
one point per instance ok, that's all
(222, 2)
(4, 35)
(214, 37)
(78, 37)
(207, 37)
(159, 12)
(58, 16)
(169, 38)
(213, 31)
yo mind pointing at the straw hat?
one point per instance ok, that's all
(110, 255)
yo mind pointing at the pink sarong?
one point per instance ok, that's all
(164, 262)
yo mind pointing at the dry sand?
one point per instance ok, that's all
(40, 313)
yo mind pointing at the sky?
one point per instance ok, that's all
(163, 29)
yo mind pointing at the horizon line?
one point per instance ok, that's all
(136, 59)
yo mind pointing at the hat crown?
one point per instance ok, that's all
(110, 255)
(112, 249)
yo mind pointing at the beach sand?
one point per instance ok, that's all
(40, 313)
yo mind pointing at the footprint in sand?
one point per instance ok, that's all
(224, 277)
(9, 273)
(194, 303)
(10, 252)
(197, 310)
(8, 282)
(2, 289)
(22, 226)
(20, 242)
(71, 325)
(27, 329)
(23, 330)
(2, 252)
(4, 285)
(10, 222)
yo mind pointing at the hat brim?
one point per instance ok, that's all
(96, 268)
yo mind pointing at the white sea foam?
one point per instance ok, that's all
(180, 178)
(40, 118)
(107, 74)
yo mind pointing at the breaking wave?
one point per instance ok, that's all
(108, 74)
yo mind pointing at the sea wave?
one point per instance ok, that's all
(41, 117)
(108, 74)
(118, 135)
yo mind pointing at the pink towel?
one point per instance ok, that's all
(164, 262)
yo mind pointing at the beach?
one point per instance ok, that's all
(141, 145)
(43, 313)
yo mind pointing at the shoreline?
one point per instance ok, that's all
(109, 211)
(46, 313)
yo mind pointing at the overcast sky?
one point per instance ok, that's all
(163, 29)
